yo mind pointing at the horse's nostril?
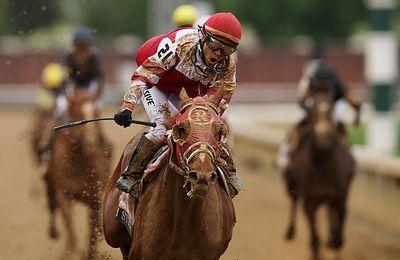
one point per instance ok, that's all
(193, 176)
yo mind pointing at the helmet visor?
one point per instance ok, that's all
(217, 45)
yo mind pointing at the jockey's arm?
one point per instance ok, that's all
(133, 95)
(99, 78)
(343, 92)
(100, 88)
(356, 104)
(303, 92)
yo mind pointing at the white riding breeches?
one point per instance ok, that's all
(61, 106)
(339, 110)
(159, 106)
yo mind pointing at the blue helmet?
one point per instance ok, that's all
(83, 33)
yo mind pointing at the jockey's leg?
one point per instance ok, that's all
(60, 108)
(339, 110)
(233, 181)
(159, 108)
(141, 156)
(338, 116)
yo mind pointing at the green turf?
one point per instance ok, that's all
(356, 134)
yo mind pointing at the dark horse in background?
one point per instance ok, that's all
(78, 170)
(185, 211)
(320, 170)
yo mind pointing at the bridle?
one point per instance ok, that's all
(181, 167)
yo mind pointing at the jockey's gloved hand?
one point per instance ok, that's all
(123, 118)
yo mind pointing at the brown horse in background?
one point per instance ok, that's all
(41, 135)
(78, 170)
(320, 170)
(184, 212)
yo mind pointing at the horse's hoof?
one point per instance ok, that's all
(53, 233)
(335, 244)
(290, 234)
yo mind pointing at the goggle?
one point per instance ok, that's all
(217, 45)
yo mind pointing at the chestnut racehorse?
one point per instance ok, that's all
(41, 135)
(320, 170)
(184, 212)
(78, 170)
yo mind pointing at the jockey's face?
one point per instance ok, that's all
(82, 49)
(211, 56)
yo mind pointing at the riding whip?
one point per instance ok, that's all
(82, 122)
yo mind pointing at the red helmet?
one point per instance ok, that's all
(224, 26)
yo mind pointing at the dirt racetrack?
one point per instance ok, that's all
(372, 228)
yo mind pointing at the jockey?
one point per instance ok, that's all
(184, 16)
(53, 85)
(197, 60)
(84, 68)
(319, 69)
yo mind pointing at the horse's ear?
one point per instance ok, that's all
(220, 131)
(183, 96)
(180, 132)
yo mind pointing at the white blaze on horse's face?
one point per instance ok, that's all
(324, 127)
(88, 109)
(202, 174)
(202, 157)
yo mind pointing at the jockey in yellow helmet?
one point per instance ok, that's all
(184, 16)
(53, 84)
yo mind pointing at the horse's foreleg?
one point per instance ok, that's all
(337, 214)
(51, 202)
(310, 208)
(292, 221)
(64, 204)
(290, 233)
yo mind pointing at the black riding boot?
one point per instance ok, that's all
(233, 181)
(141, 156)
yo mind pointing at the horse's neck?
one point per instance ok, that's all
(87, 133)
(169, 193)
(321, 154)
(172, 191)
(82, 139)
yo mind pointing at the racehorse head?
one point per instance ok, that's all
(80, 105)
(197, 137)
(324, 129)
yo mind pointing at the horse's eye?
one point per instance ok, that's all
(220, 131)
(181, 131)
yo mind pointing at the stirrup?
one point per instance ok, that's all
(125, 183)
